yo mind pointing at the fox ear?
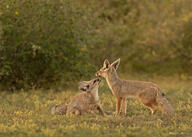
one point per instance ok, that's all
(116, 63)
(83, 86)
(106, 63)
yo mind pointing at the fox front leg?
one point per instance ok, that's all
(99, 108)
(118, 106)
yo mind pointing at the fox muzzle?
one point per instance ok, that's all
(97, 74)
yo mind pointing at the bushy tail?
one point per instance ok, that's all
(59, 110)
(164, 104)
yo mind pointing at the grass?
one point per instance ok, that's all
(26, 114)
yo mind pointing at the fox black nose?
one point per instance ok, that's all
(99, 79)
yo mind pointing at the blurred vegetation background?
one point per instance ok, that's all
(54, 43)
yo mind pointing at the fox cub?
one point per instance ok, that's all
(147, 92)
(84, 102)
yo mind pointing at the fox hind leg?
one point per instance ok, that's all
(148, 98)
(152, 107)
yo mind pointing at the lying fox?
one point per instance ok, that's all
(84, 102)
(147, 92)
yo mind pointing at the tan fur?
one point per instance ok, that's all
(86, 101)
(82, 103)
(147, 92)
(59, 109)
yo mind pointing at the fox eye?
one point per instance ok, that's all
(94, 81)
(87, 86)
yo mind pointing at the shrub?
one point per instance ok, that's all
(43, 41)
(184, 48)
(144, 34)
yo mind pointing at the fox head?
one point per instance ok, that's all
(89, 86)
(108, 69)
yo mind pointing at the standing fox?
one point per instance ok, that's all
(84, 102)
(147, 92)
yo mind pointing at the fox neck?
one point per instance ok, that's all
(112, 80)
(95, 94)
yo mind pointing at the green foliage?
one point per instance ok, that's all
(54, 42)
(43, 42)
(144, 34)
(185, 46)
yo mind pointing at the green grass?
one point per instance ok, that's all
(28, 114)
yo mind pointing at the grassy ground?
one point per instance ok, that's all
(28, 114)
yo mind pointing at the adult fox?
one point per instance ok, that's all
(147, 92)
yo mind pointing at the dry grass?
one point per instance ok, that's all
(28, 114)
